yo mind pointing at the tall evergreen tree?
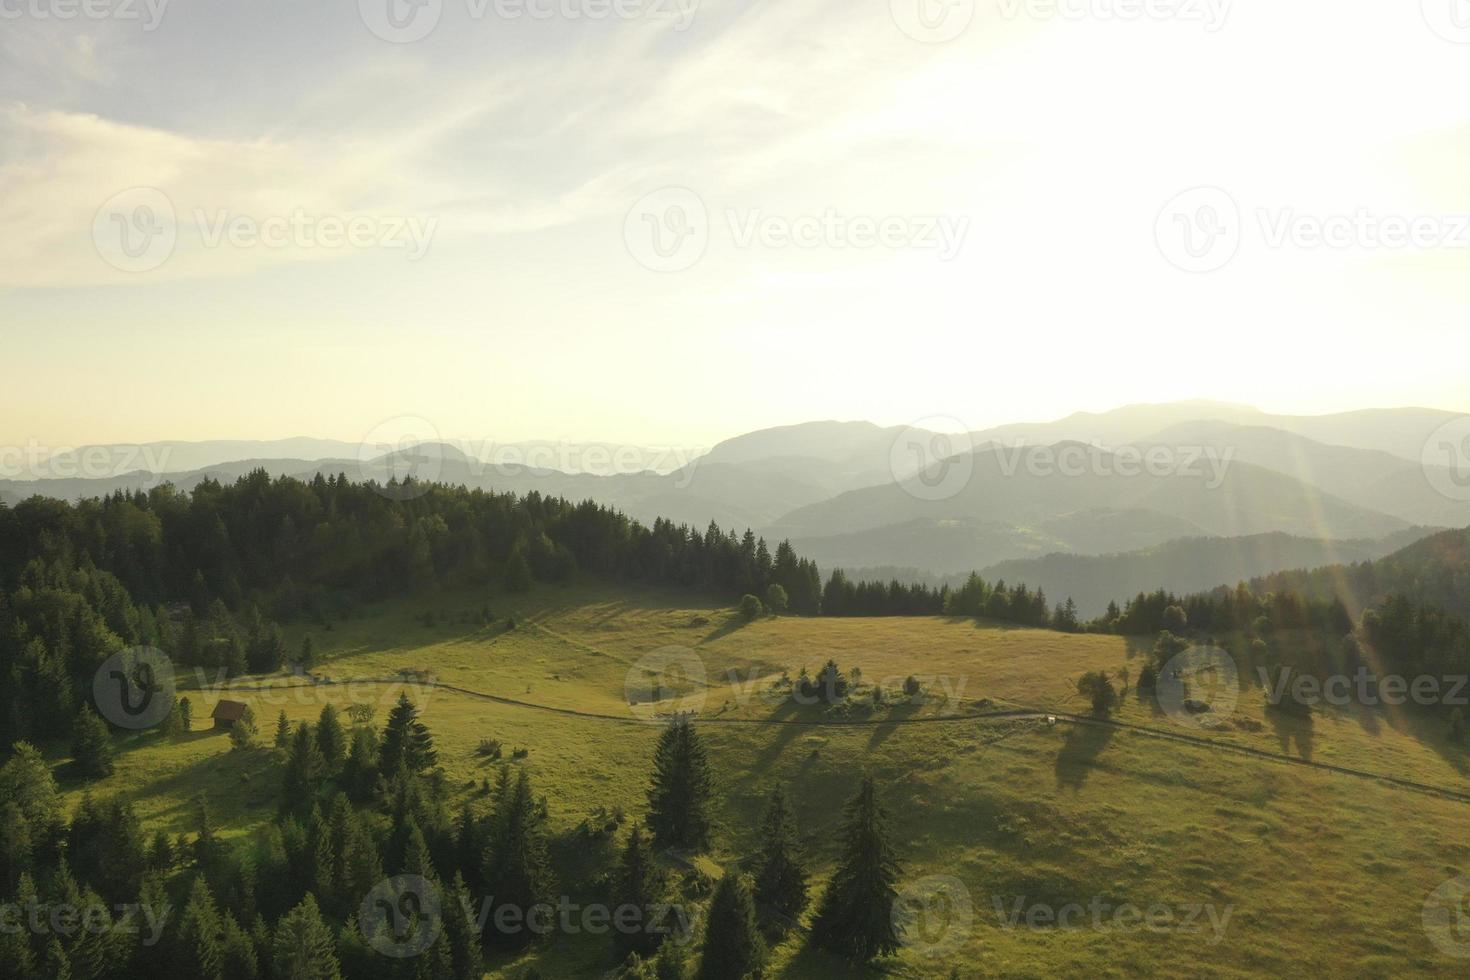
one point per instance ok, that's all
(331, 740)
(780, 878)
(283, 732)
(518, 872)
(639, 884)
(407, 743)
(733, 948)
(303, 948)
(855, 918)
(678, 798)
(198, 945)
(91, 746)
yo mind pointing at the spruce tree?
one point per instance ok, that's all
(461, 933)
(198, 946)
(331, 740)
(304, 767)
(304, 948)
(678, 800)
(240, 962)
(91, 746)
(733, 948)
(518, 872)
(407, 743)
(780, 878)
(855, 918)
(283, 732)
(243, 731)
(639, 884)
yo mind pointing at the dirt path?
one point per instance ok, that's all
(988, 717)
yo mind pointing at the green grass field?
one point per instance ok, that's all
(1319, 872)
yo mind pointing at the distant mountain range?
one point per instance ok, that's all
(1258, 492)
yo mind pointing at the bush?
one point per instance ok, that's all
(776, 599)
(750, 608)
(911, 686)
(489, 748)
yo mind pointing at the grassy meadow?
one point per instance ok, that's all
(1318, 872)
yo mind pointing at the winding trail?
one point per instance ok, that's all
(988, 717)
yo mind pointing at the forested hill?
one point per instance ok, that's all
(1435, 570)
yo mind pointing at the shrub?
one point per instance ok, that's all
(750, 608)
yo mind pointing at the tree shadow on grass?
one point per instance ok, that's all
(1292, 729)
(896, 717)
(1083, 745)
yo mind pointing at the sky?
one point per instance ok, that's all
(676, 220)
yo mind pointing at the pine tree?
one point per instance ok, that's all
(243, 732)
(240, 962)
(461, 933)
(407, 743)
(16, 848)
(855, 919)
(331, 740)
(304, 948)
(198, 947)
(303, 769)
(360, 770)
(780, 878)
(639, 884)
(518, 871)
(91, 746)
(733, 947)
(283, 732)
(678, 799)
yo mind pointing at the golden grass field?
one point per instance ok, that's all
(1320, 873)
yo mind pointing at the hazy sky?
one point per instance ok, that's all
(652, 220)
